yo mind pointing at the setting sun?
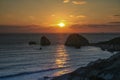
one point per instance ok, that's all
(61, 24)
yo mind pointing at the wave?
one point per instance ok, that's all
(30, 72)
(15, 65)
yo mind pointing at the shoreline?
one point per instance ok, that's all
(93, 70)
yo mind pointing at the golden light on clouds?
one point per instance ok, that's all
(81, 16)
(66, 1)
(71, 16)
(76, 2)
(79, 2)
(77, 16)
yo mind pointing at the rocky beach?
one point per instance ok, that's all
(101, 69)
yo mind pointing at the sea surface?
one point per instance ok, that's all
(21, 61)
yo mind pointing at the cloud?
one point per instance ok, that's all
(24, 29)
(77, 26)
(53, 15)
(71, 16)
(79, 2)
(76, 2)
(81, 16)
(66, 1)
(116, 23)
(116, 15)
(77, 16)
(31, 17)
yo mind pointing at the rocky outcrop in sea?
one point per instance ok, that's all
(76, 40)
(32, 43)
(102, 69)
(111, 45)
(44, 41)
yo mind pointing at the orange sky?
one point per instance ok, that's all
(38, 16)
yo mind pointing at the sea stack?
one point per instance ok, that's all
(44, 41)
(76, 40)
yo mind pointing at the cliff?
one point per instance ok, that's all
(111, 45)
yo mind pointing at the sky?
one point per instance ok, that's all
(42, 16)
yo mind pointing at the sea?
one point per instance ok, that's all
(21, 61)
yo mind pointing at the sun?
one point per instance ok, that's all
(61, 24)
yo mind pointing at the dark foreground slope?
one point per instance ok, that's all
(105, 69)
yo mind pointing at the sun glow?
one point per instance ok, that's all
(61, 24)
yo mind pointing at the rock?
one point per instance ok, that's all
(96, 78)
(40, 48)
(115, 41)
(46, 77)
(76, 40)
(44, 41)
(111, 45)
(32, 43)
(106, 69)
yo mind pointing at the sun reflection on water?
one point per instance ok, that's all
(61, 57)
(61, 60)
(61, 72)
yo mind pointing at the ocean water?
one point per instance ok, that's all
(20, 61)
